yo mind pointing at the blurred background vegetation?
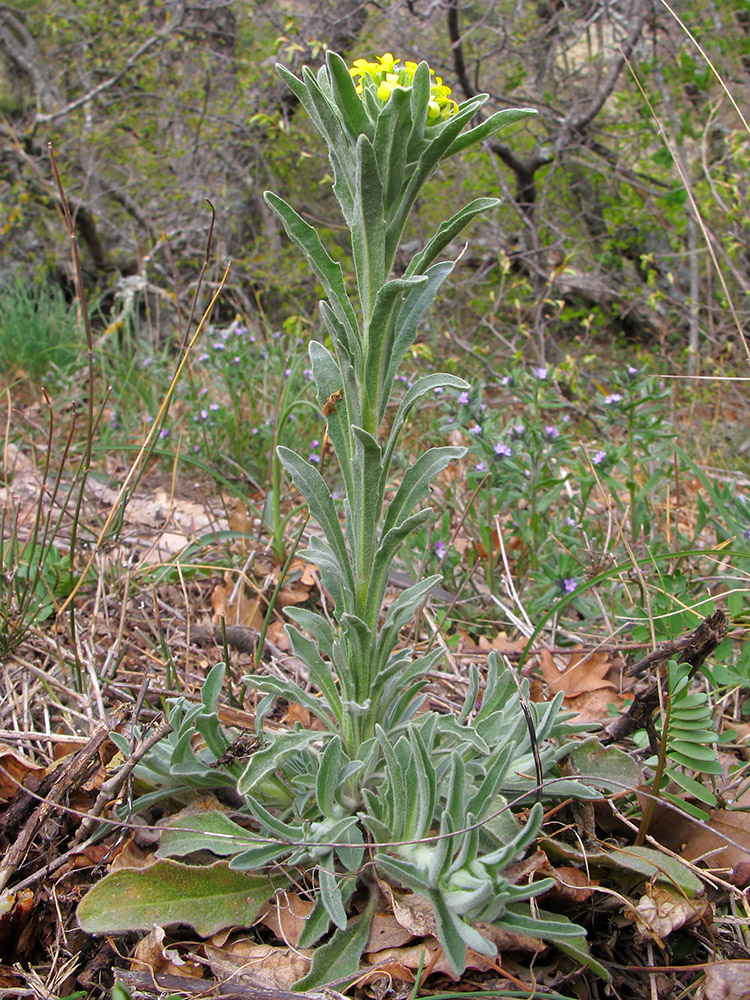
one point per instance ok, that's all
(154, 107)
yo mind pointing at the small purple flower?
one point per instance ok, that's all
(287, 372)
(314, 443)
(571, 522)
(196, 448)
(552, 432)
(502, 450)
(113, 422)
(475, 430)
(219, 346)
(746, 534)
(438, 390)
(505, 380)
(164, 432)
(518, 430)
(614, 397)
(632, 372)
(464, 399)
(254, 431)
(541, 373)
(214, 407)
(236, 359)
(480, 467)
(147, 362)
(203, 414)
(313, 457)
(440, 550)
(599, 457)
(569, 585)
(204, 391)
(307, 372)
(251, 338)
(203, 357)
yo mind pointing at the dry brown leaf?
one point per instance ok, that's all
(293, 593)
(285, 915)
(594, 706)
(411, 955)
(724, 841)
(583, 673)
(298, 713)
(571, 884)
(132, 856)
(240, 520)
(151, 953)
(234, 606)
(665, 909)
(258, 964)
(501, 643)
(15, 768)
(386, 932)
(276, 634)
(727, 981)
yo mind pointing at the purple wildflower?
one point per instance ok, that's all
(440, 550)
(552, 432)
(480, 467)
(502, 450)
(464, 399)
(214, 407)
(569, 585)
(599, 457)
(203, 357)
(475, 430)
(541, 373)
(614, 397)
(219, 346)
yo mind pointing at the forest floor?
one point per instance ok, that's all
(184, 582)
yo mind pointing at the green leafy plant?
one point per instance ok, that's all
(431, 794)
(687, 747)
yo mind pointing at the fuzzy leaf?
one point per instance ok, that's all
(206, 897)
(339, 958)
(208, 830)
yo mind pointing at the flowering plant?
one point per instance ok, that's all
(423, 790)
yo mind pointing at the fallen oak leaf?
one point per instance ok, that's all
(583, 673)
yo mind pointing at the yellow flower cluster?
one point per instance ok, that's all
(388, 73)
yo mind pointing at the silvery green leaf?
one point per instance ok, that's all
(292, 692)
(208, 830)
(400, 612)
(472, 691)
(424, 385)
(426, 793)
(211, 730)
(315, 624)
(319, 671)
(356, 120)
(415, 483)
(327, 270)
(327, 778)
(265, 762)
(211, 689)
(417, 302)
(447, 231)
(491, 125)
(551, 930)
(257, 857)
(335, 580)
(339, 958)
(368, 227)
(358, 640)
(366, 500)
(451, 932)
(391, 145)
(330, 895)
(384, 556)
(313, 488)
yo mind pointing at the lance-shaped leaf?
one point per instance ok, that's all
(313, 488)
(339, 958)
(417, 301)
(292, 692)
(425, 384)
(265, 761)
(416, 481)
(356, 120)
(327, 778)
(393, 124)
(379, 336)
(327, 270)
(319, 627)
(384, 556)
(493, 124)
(447, 231)
(335, 579)
(368, 227)
(319, 671)
(400, 612)
(365, 502)
(440, 139)
(207, 830)
(359, 650)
